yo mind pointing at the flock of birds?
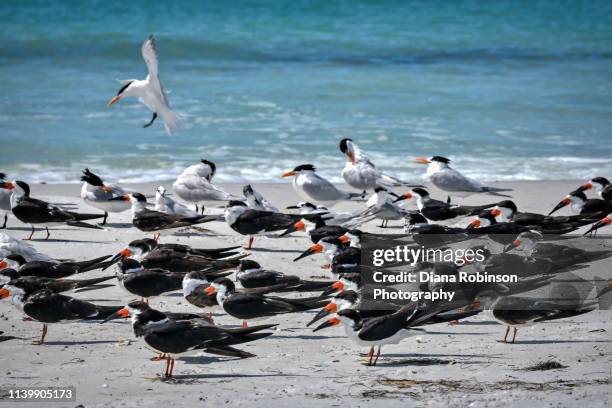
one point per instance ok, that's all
(147, 268)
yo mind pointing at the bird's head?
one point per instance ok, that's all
(301, 169)
(126, 90)
(348, 148)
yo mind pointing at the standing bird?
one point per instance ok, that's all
(33, 211)
(195, 184)
(443, 176)
(312, 187)
(150, 90)
(5, 200)
(96, 193)
(360, 173)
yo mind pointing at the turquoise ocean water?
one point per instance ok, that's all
(508, 89)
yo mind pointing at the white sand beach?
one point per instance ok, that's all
(447, 366)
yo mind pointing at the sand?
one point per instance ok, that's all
(449, 365)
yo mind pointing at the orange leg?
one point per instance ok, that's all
(514, 335)
(505, 340)
(370, 355)
(251, 239)
(159, 357)
(42, 335)
(377, 355)
(245, 324)
(31, 235)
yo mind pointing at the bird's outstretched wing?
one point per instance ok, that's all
(149, 54)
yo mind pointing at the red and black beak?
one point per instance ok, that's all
(7, 185)
(336, 287)
(314, 249)
(512, 245)
(601, 223)
(327, 310)
(119, 314)
(566, 201)
(331, 322)
(405, 196)
(121, 198)
(4, 293)
(298, 226)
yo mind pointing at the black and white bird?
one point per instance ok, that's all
(51, 269)
(38, 212)
(255, 306)
(98, 194)
(602, 186)
(36, 283)
(164, 203)
(251, 222)
(150, 91)
(195, 185)
(607, 220)
(5, 200)
(169, 337)
(579, 203)
(312, 187)
(443, 176)
(507, 211)
(251, 275)
(256, 200)
(349, 219)
(13, 246)
(47, 307)
(145, 283)
(381, 205)
(155, 221)
(436, 210)
(360, 172)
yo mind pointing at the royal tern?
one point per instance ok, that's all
(169, 337)
(311, 186)
(443, 176)
(10, 246)
(165, 204)
(47, 307)
(361, 174)
(150, 91)
(98, 194)
(33, 211)
(257, 201)
(381, 204)
(195, 185)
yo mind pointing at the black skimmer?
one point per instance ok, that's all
(48, 269)
(213, 253)
(343, 218)
(347, 281)
(361, 174)
(334, 251)
(507, 211)
(312, 187)
(256, 200)
(5, 200)
(376, 331)
(37, 212)
(154, 221)
(174, 259)
(47, 307)
(251, 275)
(436, 210)
(252, 305)
(601, 184)
(316, 228)
(98, 194)
(607, 220)
(247, 221)
(169, 337)
(35, 283)
(150, 90)
(195, 185)
(194, 286)
(580, 204)
(165, 204)
(443, 176)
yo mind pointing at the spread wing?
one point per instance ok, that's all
(149, 54)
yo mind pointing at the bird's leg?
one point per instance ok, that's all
(196, 207)
(505, 340)
(245, 324)
(104, 220)
(171, 366)
(48, 233)
(152, 120)
(166, 370)
(156, 236)
(251, 239)
(31, 234)
(159, 357)
(42, 335)
(514, 335)
(370, 355)
(377, 355)
(5, 218)
(448, 200)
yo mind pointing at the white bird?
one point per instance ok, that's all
(165, 204)
(150, 90)
(443, 176)
(96, 193)
(256, 200)
(10, 245)
(5, 200)
(359, 172)
(312, 187)
(195, 185)
(380, 205)
(342, 218)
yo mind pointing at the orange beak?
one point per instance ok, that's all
(351, 157)
(422, 160)
(474, 224)
(3, 265)
(344, 239)
(496, 212)
(516, 242)
(333, 321)
(331, 308)
(4, 293)
(288, 174)
(113, 101)
(7, 185)
(475, 305)
(210, 290)
(606, 221)
(299, 226)
(339, 286)
(587, 186)
(126, 253)
(316, 248)
(124, 313)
